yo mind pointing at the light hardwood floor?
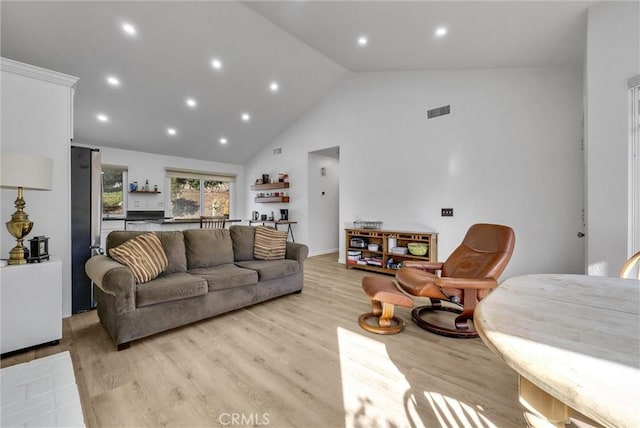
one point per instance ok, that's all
(296, 361)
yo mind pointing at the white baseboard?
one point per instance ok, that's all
(323, 252)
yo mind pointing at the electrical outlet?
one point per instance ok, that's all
(136, 204)
(447, 212)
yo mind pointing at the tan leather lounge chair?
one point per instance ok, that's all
(468, 275)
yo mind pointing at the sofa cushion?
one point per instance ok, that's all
(269, 244)
(166, 288)
(173, 244)
(143, 254)
(208, 247)
(270, 269)
(226, 276)
(242, 237)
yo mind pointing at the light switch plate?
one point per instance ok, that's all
(447, 212)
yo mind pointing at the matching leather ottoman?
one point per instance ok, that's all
(384, 296)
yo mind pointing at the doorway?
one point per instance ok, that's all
(324, 201)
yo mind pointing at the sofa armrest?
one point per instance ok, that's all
(297, 252)
(114, 279)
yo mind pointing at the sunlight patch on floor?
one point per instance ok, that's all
(377, 394)
(372, 387)
(454, 413)
(598, 269)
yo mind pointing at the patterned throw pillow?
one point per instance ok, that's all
(269, 244)
(144, 255)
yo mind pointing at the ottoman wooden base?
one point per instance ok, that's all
(384, 296)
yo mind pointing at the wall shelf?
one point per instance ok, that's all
(269, 186)
(272, 199)
(154, 192)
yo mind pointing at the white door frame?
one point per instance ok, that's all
(633, 245)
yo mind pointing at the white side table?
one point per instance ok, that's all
(31, 302)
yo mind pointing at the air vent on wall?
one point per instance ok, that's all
(277, 151)
(440, 111)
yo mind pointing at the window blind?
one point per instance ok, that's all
(199, 175)
(114, 167)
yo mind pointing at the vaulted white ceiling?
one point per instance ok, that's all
(305, 46)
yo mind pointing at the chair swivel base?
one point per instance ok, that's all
(396, 325)
(461, 330)
(384, 296)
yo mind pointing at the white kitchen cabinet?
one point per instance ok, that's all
(107, 227)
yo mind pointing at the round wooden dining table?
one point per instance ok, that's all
(574, 341)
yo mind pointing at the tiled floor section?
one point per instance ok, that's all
(40, 393)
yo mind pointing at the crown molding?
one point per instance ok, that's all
(39, 73)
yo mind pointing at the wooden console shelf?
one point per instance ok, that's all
(385, 261)
(269, 186)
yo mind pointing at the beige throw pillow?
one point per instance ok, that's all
(269, 244)
(144, 255)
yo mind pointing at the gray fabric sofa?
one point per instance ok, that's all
(210, 271)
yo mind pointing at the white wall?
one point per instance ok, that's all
(509, 153)
(324, 205)
(36, 118)
(613, 56)
(148, 166)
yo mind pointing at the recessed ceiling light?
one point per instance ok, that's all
(441, 31)
(171, 131)
(129, 29)
(102, 117)
(223, 140)
(113, 81)
(274, 86)
(191, 102)
(362, 41)
(246, 117)
(216, 63)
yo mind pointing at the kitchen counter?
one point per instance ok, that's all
(150, 221)
(171, 220)
(157, 224)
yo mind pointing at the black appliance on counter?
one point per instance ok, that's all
(135, 219)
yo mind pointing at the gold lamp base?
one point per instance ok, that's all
(19, 227)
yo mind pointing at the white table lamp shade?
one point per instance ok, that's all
(25, 170)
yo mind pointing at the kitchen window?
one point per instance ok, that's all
(193, 194)
(114, 202)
